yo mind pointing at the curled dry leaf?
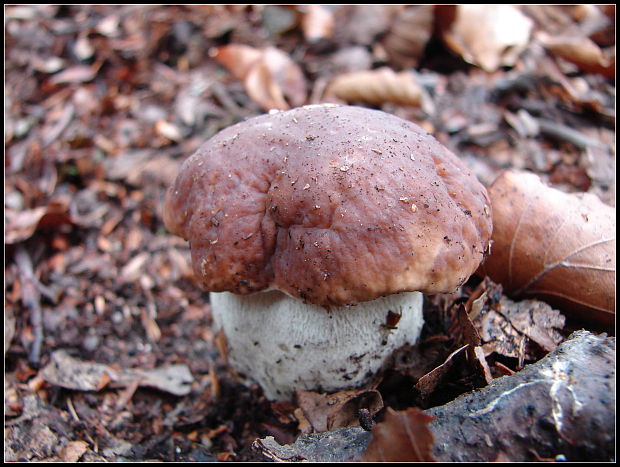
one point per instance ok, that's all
(65, 371)
(271, 78)
(331, 411)
(404, 436)
(377, 87)
(428, 383)
(68, 372)
(407, 38)
(238, 59)
(489, 36)
(581, 51)
(140, 167)
(555, 246)
(317, 22)
(21, 225)
(76, 74)
(72, 451)
(507, 327)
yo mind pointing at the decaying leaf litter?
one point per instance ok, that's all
(104, 102)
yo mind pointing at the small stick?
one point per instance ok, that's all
(31, 298)
(564, 133)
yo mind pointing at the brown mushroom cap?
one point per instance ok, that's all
(331, 204)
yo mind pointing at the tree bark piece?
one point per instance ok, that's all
(340, 445)
(561, 407)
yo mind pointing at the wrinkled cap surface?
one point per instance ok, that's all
(331, 204)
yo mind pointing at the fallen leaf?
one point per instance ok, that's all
(581, 51)
(168, 130)
(68, 372)
(552, 245)
(47, 65)
(464, 331)
(377, 87)
(404, 436)
(330, 411)
(174, 379)
(21, 225)
(317, 22)
(65, 371)
(263, 88)
(428, 383)
(76, 74)
(140, 166)
(41, 434)
(481, 361)
(238, 59)
(406, 40)
(361, 24)
(132, 271)
(271, 78)
(506, 327)
(536, 320)
(83, 49)
(72, 451)
(53, 132)
(590, 21)
(489, 36)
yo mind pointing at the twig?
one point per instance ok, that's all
(72, 410)
(31, 298)
(226, 100)
(564, 133)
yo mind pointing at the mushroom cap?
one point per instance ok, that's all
(330, 204)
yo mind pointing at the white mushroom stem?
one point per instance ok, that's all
(283, 344)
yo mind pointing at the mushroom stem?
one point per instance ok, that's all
(284, 344)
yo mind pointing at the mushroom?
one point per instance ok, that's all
(317, 230)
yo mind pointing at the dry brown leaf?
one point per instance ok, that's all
(238, 59)
(489, 36)
(140, 167)
(72, 451)
(317, 22)
(330, 411)
(428, 383)
(483, 366)
(507, 327)
(591, 21)
(168, 130)
(555, 246)
(263, 89)
(76, 74)
(21, 225)
(463, 330)
(377, 87)
(271, 78)
(68, 372)
(361, 24)
(134, 268)
(404, 436)
(407, 38)
(581, 51)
